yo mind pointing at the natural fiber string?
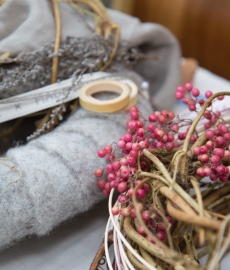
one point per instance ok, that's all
(14, 168)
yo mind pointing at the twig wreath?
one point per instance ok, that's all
(158, 217)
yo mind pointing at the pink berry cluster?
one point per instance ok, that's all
(189, 96)
(121, 172)
(216, 148)
(159, 134)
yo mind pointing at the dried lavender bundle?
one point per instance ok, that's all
(33, 70)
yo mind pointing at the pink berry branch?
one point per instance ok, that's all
(154, 173)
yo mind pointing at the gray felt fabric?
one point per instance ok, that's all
(58, 168)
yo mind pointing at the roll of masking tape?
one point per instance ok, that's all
(128, 96)
(133, 94)
(92, 104)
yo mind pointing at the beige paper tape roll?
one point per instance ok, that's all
(92, 104)
(133, 94)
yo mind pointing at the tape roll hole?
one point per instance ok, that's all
(103, 93)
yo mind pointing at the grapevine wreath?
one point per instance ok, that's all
(154, 167)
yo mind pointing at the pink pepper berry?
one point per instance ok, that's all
(204, 158)
(151, 127)
(175, 127)
(122, 187)
(196, 151)
(125, 172)
(160, 235)
(213, 176)
(146, 215)
(161, 226)
(131, 161)
(170, 137)
(200, 171)
(208, 94)
(98, 172)
(140, 132)
(146, 187)
(188, 86)
(133, 109)
(140, 193)
(171, 115)
(138, 182)
(152, 118)
(161, 119)
(192, 107)
(133, 212)
(111, 176)
(129, 146)
(115, 210)
(179, 95)
(223, 178)
(209, 134)
(106, 192)
(133, 125)
(215, 159)
(122, 198)
(223, 129)
(125, 212)
(128, 137)
(101, 153)
(134, 153)
(170, 220)
(227, 136)
(220, 97)
(168, 146)
(123, 162)
(107, 187)
(108, 149)
(141, 230)
(193, 139)
(180, 89)
(203, 149)
(210, 144)
(207, 171)
(134, 115)
(130, 192)
(101, 184)
(195, 92)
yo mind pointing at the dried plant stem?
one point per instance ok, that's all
(216, 194)
(149, 259)
(116, 43)
(223, 199)
(145, 244)
(222, 205)
(193, 219)
(200, 141)
(200, 203)
(135, 262)
(57, 39)
(175, 198)
(167, 176)
(220, 247)
(210, 189)
(203, 252)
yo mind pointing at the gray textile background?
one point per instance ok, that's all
(58, 168)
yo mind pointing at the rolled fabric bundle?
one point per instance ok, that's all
(58, 179)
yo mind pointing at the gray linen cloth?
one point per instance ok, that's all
(58, 168)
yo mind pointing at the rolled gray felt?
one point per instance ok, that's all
(58, 179)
